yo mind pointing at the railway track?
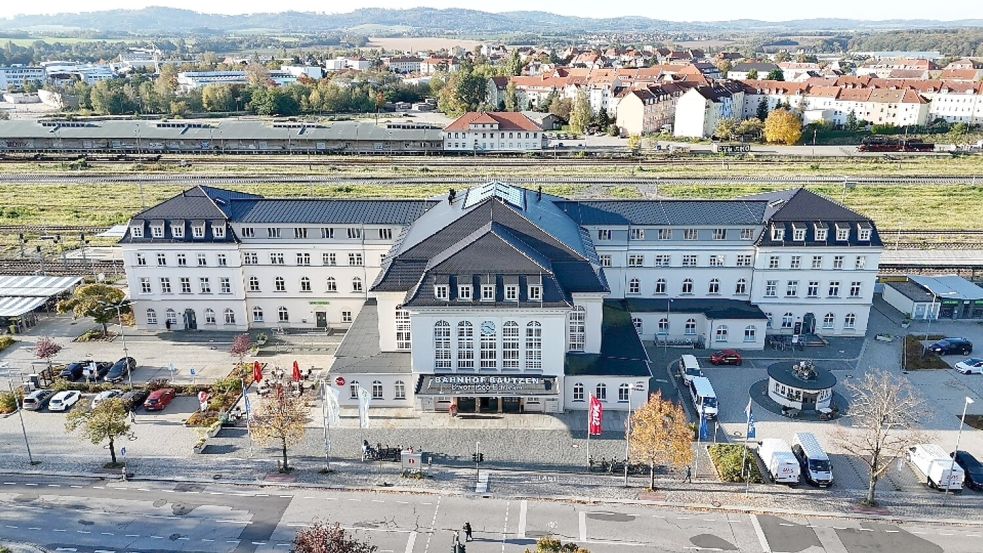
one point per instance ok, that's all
(58, 267)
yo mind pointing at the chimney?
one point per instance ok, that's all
(451, 194)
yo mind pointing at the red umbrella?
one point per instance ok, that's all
(257, 372)
(296, 373)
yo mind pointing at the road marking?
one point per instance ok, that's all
(93, 487)
(143, 489)
(103, 551)
(309, 497)
(919, 532)
(433, 525)
(233, 521)
(206, 539)
(9, 526)
(156, 537)
(29, 484)
(36, 528)
(295, 524)
(946, 534)
(106, 534)
(66, 549)
(54, 485)
(79, 487)
(353, 499)
(261, 495)
(377, 501)
(60, 530)
(760, 533)
(83, 532)
(184, 538)
(865, 530)
(10, 483)
(521, 533)
(287, 496)
(215, 493)
(258, 543)
(967, 535)
(892, 531)
(403, 502)
(132, 536)
(583, 526)
(505, 527)
(410, 543)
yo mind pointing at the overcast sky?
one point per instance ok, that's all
(705, 10)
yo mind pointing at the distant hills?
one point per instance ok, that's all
(158, 20)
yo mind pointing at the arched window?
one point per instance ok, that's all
(402, 318)
(721, 333)
(663, 326)
(305, 284)
(750, 332)
(623, 391)
(254, 284)
(601, 391)
(151, 317)
(399, 390)
(209, 316)
(332, 284)
(637, 323)
(850, 321)
(353, 388)
(660, 286)
(828, 320)
(787, 320)
(634, 286)
(688, 286)
(230, 317)
(465, 345)
(279, 284)
(576, 328)
(578, 391)
(257, 314)
(714, 287)
(376, 389)
(534, 345)
(741, 288)
(442, 344)
(282, 314)
(171, 316)
(510, 345)
(690, 327)
(356, 284)
(488, 344)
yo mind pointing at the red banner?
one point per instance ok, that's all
(595, 414)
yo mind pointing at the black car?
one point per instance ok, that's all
(134, 398)
(949, 346)
(972, 468)
(120, 369)
(76, 371)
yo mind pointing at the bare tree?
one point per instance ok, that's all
(46, 349)
(884, 410)
(281, 420)
(241, 346)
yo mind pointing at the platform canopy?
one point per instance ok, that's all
(25, 293)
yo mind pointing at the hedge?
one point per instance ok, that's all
(727, 459)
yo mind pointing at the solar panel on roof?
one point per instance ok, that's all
(500, 190)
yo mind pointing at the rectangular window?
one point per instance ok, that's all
(821, 233)
(440, 292)
(603, 234)
(464, 292)
(690, 234)
(182, 260)
(225, 285)
(817, 262)
(137, 232)
(157, 231)
(161, 260)
(855, 287)
(689, 261)
(355, 259)
(272, 232)
(637, 234)
(662, 260)
(863, 234)
(837, 261)
(329, 259)
(774, 261)
(487, 292)
(177, 231)
(218, 230)
(771, 288)
(277, 258)
(665, 234)
(205, 285)
(165, 285)
(719, 234)
(185, 285)
(198, 231)
(202, 260)
(792, 289)
(861, 262)
(798, 233)
(327, 232)
(222, 260)
(716, 261)
(303, 259)
(511, 292)
(355, 233)
(385, 234)
(145, 285)
(605, 260)
(747, 234)
(346, 316)
(248, 232)
(510, 346)
(141, 259)
(635, 260)
(744, 260)
(535, 293)
(834, 289)
(778, 233)
(300, 232)
(813, 290)
(250, 258)
(796, 262)
(842, 233)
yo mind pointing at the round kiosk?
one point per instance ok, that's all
(800, 385)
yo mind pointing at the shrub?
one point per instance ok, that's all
(90, 335)
(727, 459)
(917, 357)
(8, 402)
(6, 342)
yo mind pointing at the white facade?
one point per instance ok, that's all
(17, 75)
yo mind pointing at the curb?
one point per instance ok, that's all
(745, 509)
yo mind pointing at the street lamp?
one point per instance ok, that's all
(636, 387)
(118, 307)
(668, 325)
(952, 465)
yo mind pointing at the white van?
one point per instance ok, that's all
(779, 460)
(689, 367)
(813, 461)
(704, 398)
(936, 467)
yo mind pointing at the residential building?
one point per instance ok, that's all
(313, 72)
(700, 109)
(17, 75)
(649, 109)
(502, 131)
(190, 80)
(404, 64)
(741, 71)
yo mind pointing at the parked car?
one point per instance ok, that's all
(73, 371)
(726, 357)
(949, 346)
(973, 365)
(973, 469)
(135, 398)
(120, 369)
(103, 396)
(36, 400)
(689, 367)
(159, 399)
(63, 401)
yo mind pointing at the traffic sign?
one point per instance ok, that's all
(340, 381)
(193, 371)
(122, 452)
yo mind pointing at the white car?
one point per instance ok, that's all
(973, 365)
(63, 401)
(103, 396)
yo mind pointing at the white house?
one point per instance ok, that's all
(700, 109)
(493, 132)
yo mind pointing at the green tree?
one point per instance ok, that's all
(511, 97)
(561, 107)
(752, 75)
(750, 128)
(782, 57)
(783, 127)
(776, 75)
(107, 421)
(581, 115)
(514, 65)
(726, 128)
(218, 97)
(762, 112)
(92, 300)
(107, 97)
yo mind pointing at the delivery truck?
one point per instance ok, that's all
(937, 469)
(778, 458)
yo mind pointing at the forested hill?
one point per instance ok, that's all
(423, 21)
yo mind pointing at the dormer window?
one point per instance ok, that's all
(464, 292)
(177, 230)
(821, 232)
(157, 231)
(218, 229)
(535, 292)
(198, 231)
(487, 292)
(778, 233)
(136, 231)
(511, 292)
(798, 233)
(638, 234)
(864, 231)
(441, 292)
(842, 232)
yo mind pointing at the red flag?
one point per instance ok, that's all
(257, 372)
(296, 373)
(595, 414)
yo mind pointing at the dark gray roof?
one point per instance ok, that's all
(622, 353)
(318, 211)
(784, 373)
(717, 309)
(802, 206)
(665, 212)
(911, 291)
(199, 202)
(754, 66)
(359, 350)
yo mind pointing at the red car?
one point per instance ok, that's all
(726, 357)
(158, 399)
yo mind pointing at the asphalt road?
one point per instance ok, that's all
(94, 516)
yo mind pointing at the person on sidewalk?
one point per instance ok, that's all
(689, 475)
(467, 531)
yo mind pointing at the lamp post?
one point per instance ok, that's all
(636, 387)
(959, 435)
(118, 307)
(668, 326)
(23, 428)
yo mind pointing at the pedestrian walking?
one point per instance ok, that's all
(689, 475)
(133, 417)
(123, 472)
(467, 531)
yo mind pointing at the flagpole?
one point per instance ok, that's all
(590, 399)
(699, 442)
(747, 479)
(324, 416)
